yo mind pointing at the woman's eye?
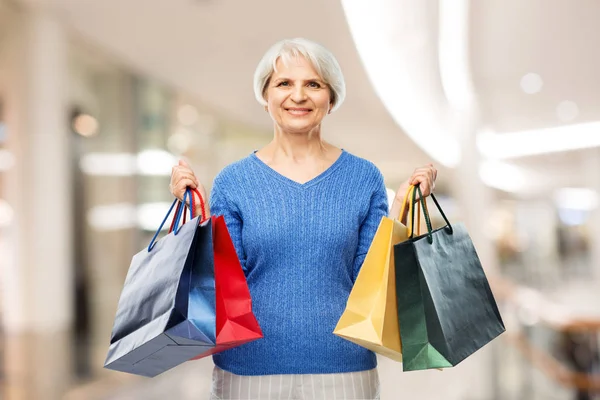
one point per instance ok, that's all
(314, 85)
(284, 83)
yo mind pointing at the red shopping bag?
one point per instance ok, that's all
(236, 323)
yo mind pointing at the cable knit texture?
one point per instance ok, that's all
(301, 247)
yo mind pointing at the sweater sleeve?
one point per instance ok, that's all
(220, 204)
(378, 208)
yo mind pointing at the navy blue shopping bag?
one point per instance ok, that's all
(166, 312)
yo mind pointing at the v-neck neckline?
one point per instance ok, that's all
(323, 175)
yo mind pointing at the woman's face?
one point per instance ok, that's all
(297, 98)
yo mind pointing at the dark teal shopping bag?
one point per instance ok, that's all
(446, 308)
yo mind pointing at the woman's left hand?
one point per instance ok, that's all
(424, 177)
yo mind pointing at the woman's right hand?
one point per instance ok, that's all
(183, 177)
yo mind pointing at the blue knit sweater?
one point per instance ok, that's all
(301, 247)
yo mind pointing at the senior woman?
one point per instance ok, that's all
(302, 214)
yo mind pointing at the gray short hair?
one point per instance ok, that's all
(322, 60)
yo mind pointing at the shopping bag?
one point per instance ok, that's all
(370, 318)
(445, 305)
(235, 321)
(166, 312)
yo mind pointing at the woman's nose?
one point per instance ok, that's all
(299, 94)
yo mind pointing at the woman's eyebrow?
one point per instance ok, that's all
(282, 78)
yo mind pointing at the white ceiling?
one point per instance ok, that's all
(209, 49)
(557, 39)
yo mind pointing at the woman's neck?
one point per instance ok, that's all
(297, 147)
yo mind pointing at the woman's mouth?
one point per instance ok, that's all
(298, 111)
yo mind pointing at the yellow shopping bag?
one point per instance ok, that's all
(370, 318)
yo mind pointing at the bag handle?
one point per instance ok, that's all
(202, 208)
(406, 195)
(410, 227)
(202, 205)
(426, 213)
(176, 218)
(182, 209)
(197, 193)
(177, 211)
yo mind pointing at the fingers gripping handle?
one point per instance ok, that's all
(426, 214)
(187, 201)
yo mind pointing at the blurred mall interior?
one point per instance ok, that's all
(99, 99)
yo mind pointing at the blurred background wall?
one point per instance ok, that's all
(99, 99)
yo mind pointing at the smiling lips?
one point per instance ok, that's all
(298, 111)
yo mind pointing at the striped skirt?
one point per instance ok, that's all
(362, 385)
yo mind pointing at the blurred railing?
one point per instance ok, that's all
(556, 344)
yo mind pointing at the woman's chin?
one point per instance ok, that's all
(301, 131)
(299, 126)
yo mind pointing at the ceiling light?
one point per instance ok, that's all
(576, 198)
(455, 68)
(155, 162)
(502, 176)
(541, 141)
(147, 162)
(108, 164)
(571, 217)
(150, 215)
(567, 111)
(112, 217)
(188, 115)
(85, 125)
(396, 54)
(180, 141)
(532, 83)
